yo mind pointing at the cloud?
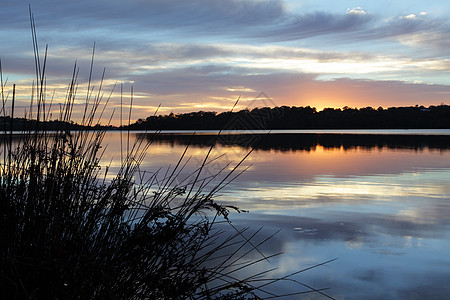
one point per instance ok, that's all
(164, 57)
(356, 11)
(435, 42)
(137, 23)
(268, 19)
(296, 27)
(157, 13)
(405, 25)
(410, 17)
(214, 84)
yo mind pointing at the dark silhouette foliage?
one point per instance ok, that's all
(285, 117)
(306, 142)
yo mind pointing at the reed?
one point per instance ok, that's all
(70, 229)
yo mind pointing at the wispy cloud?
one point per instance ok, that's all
(356, 11)
(267, 19)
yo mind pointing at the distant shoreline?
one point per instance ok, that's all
(417, 131)
(304, 118)
(263, 119)
(213, 132)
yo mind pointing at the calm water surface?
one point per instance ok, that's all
(380, 204)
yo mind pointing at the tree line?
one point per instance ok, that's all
(23, 124)
(285, 117)
(282, 117)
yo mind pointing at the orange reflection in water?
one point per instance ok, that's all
(290, 165)
(302, 165)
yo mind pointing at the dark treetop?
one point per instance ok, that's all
(285, 117)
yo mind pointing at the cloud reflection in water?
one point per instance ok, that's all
(382, 209)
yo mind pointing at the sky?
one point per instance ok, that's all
(196, 55)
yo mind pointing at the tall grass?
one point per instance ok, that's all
(70, 229)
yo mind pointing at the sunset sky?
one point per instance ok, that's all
(204, 54)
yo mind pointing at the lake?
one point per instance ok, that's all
(378, 201)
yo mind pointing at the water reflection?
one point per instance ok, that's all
(380, 204)
(306, 142)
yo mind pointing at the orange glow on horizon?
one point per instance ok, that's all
(335, 94)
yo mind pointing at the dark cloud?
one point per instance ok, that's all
(207, 83)
(203, 14)
(400, 26)
(142, 26)
(267, 20)
(314, 24)
(282, 83)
